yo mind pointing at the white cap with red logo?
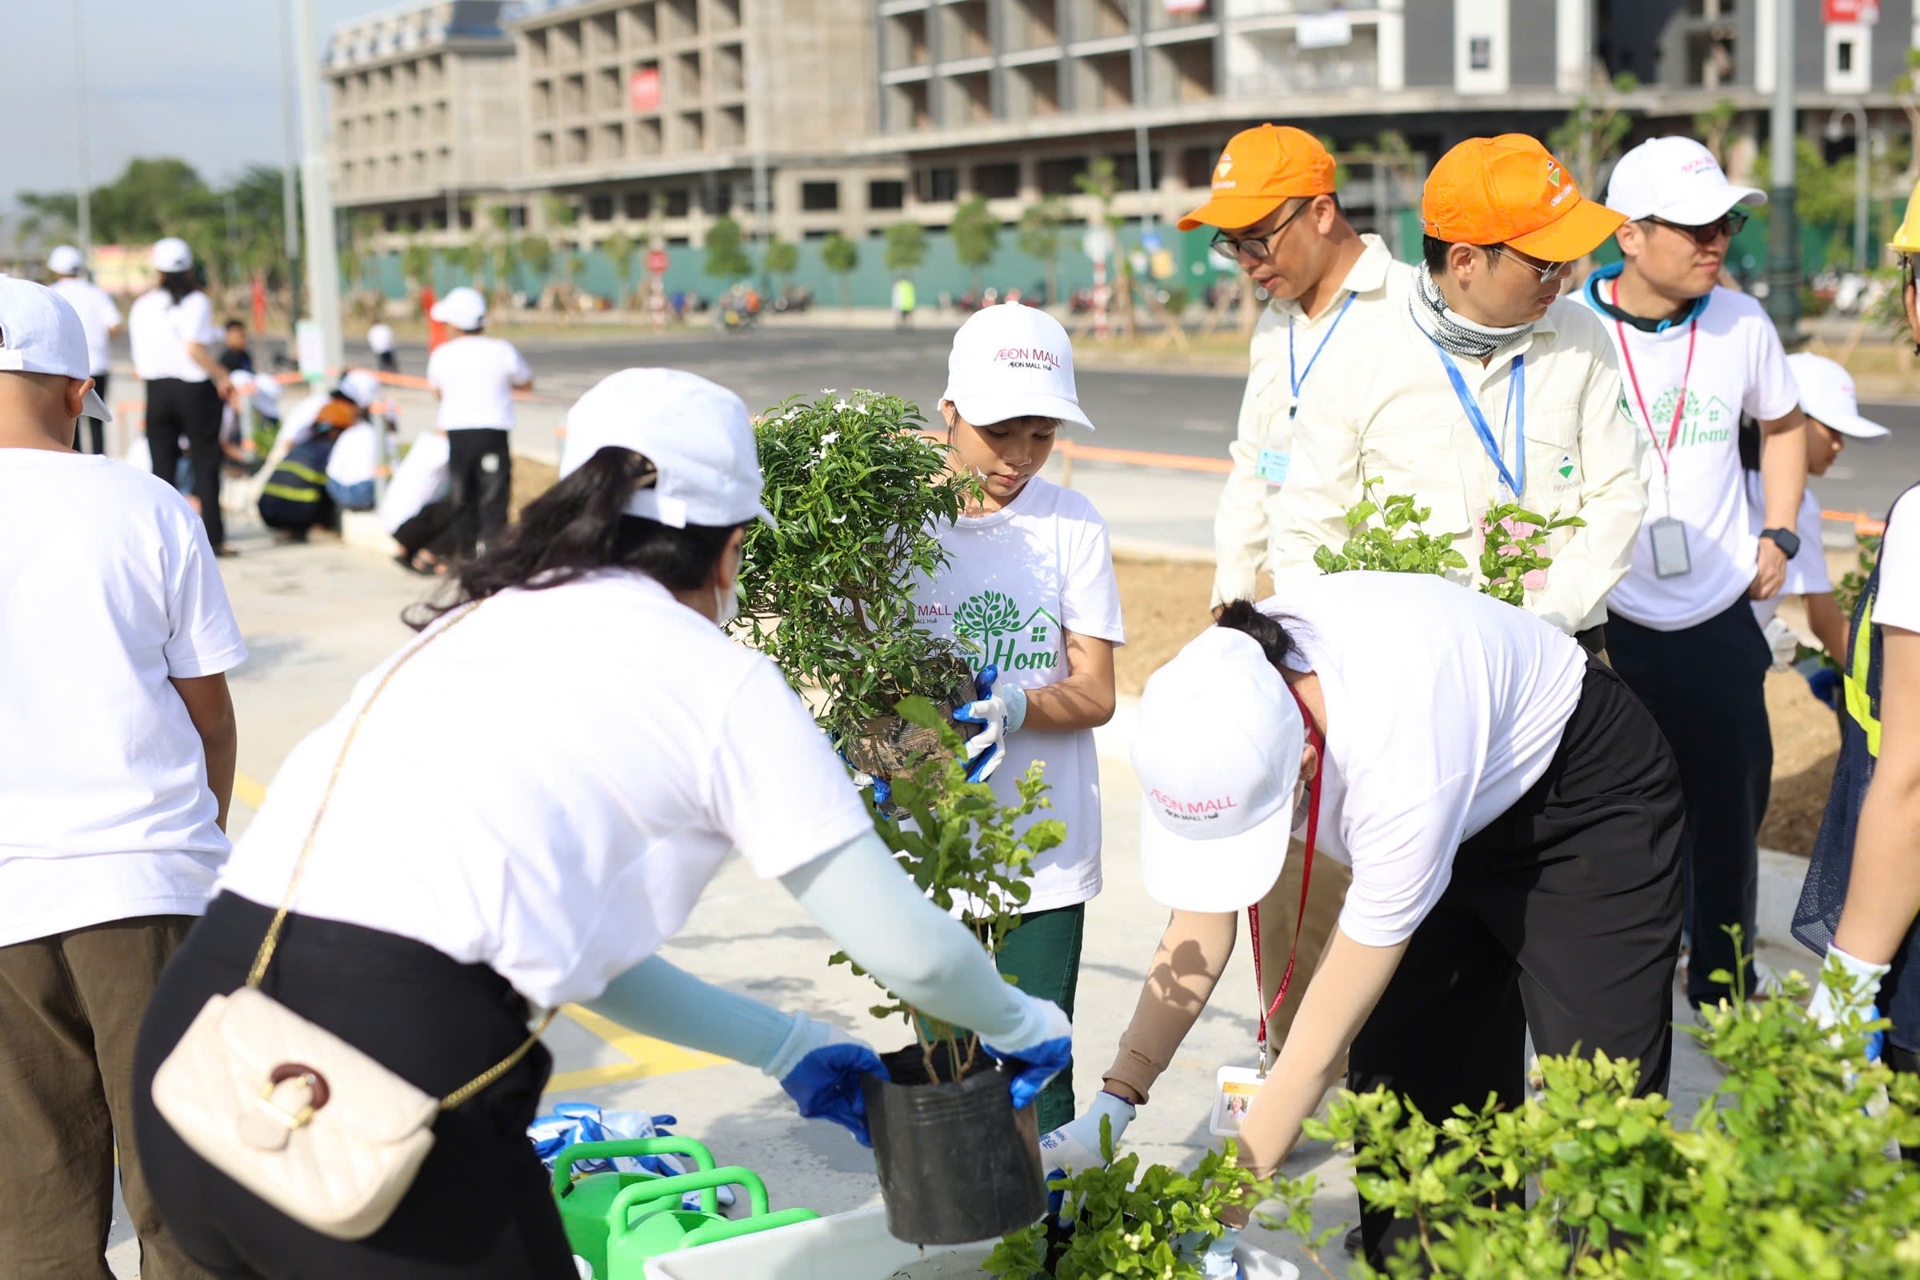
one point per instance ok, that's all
(1826, 393)
(1677, 180)
(1217, 749)
(1012, 361)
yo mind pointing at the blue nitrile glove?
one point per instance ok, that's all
(1002, 713)
(1043, 1045)
(1075, 1145)
(1829, 1006)
(1826, 684)
(882, 789)
(821, 1067)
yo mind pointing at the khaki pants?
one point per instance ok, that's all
(70, 1009)
(1326, 894)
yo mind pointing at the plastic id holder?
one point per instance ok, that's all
(1234, 1089)
(1670, 556)
(1273, 465)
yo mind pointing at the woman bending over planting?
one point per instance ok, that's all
(1028, 593)
(453, 862)
(1511, 815)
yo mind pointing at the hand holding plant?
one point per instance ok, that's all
(1510, 560)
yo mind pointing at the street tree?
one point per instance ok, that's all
(726, 252)
(619, 249)
(782, 260)
(840, 256)
(976, 237)
(1039, 238)
(906, 247)
(1592, 132)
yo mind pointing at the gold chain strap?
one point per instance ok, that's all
(272, 941)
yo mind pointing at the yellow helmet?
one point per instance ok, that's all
(1907, 238)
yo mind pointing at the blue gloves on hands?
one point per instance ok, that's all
(821, 1068)
(1002, 713)
(1043, 1046)
(1826, 684)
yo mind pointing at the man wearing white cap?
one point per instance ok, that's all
(1694, 357)
(566, 843)
(1508, 810)
(170, 328)
(474, 378)
(116, 763)
(100, 317)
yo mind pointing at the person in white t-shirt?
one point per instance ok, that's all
(99, 316)
(170, 328)
(460, 861)
(474, 378)
(1030, 594)
(1694, 357)
(117, 750)
(1508, 809)
(381, 342)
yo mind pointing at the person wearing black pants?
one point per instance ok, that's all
(176, 408)
(475, 378)
(480, 482)
(170, 328)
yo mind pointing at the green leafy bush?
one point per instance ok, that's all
(1397, 544)
(1510, 558)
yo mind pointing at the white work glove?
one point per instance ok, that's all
(1075, 1145)
(1001, 713)
(1829, 1007)
(1218, 1262)
(1784, 642)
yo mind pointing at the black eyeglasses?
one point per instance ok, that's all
(1547, 271)
(1259, 248)
(1728, 224)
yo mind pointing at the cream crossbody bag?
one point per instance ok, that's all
(293, 1113)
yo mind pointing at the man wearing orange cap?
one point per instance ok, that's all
(1277, 214)
(1483, 389)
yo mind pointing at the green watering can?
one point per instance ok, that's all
(585, 1202)
(646, 1219)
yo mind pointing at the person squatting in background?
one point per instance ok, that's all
(100, 317)
(296, 497)
(415, 510)
(171, 331)
(474, 378)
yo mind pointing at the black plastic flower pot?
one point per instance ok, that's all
(957, 1163)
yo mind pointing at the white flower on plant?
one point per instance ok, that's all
(840, 406)
(829, 438)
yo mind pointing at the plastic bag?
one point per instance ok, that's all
(572, 1122)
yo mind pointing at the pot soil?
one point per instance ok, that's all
(957, 1163)
(891, 745)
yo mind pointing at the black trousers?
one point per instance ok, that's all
(430, 529)
(176, 408)
(388, 363)
(1706, 686)
(481, 1206)
(480, 481)
(1562, 916)
(90, 434)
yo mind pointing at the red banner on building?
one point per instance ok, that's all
(1864, 11)
(643, 90)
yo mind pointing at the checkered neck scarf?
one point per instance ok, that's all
(1453, 331)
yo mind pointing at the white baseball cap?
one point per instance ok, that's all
(65, 260)
(695, 431)
(1677, 180)
(463, 308)
(1217, 750)
(360, 387)
(171, 254)
(40, 333)
(1011, 361)
(1826, 393)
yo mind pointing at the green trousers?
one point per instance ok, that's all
(1042, 957)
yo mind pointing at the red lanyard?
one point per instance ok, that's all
(1679, 405)
(1319, 742)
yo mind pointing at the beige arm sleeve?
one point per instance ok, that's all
(1193, 953)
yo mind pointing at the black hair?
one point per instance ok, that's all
(1274, 641)
(236, 323)
(179, 284)
(1434, 251)
(580, 526)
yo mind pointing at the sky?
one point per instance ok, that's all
(197, 79)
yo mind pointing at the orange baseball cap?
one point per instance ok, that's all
(1261, 169)
(1510, 190)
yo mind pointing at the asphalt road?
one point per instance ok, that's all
(1186, 413)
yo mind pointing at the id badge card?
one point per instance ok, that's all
(1234, 1089)
(1273, 465)
(1670, 555)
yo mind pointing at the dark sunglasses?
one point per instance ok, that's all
(1259, 248)
(1728, 224)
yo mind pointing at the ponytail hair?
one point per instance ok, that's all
(1271, 636)
(581, 526)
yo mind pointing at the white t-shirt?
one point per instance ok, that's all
(1017, 580)
(559, 828)
(475, 377)
(355, 454)
(380, 339)
(1445, 706)
(1738, 367)
(107, 590)
(1897, 604)
(159, 330)
(420, 479)
(1806, 572)
(98, 316)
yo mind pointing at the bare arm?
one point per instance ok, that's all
(1186, 967)
(1883, 893)
(1084, 700)
(199, 354)
(1828, 624)
(210, 707)
(1783, 479)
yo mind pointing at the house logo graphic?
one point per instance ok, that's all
(1004, 635)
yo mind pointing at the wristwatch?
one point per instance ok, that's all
(1786, 539)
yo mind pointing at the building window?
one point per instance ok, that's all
(516, 216)
(935, 186)
(391, 221)
(818, 197)
(997, 181)
(639, 204)
(720, 199)
(1480, 53)
(1843, 57)
(1057, 175)
(886, 195)
(416, 221)
(1196, 167)
(600, 208)
(440, 219)
(678, 202)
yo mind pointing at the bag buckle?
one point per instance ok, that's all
(267, 1125)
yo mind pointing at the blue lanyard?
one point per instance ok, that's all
(1299, 379)
(1516, 386)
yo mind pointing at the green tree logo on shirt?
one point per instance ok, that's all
(993, 624)
(1705, 420)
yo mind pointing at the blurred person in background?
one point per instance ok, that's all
(474, 378)
(380, 341)
(100, 317)
(236, 355)
(171, 331)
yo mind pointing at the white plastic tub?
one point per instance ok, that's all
(846, 1246)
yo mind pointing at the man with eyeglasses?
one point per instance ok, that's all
(1483, 389)
(1279, 217)
(1694, 357)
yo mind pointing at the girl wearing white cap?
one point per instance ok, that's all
(171, 331)
(1029, 590)
(1511, 816)
(572, 821)
(474, 378)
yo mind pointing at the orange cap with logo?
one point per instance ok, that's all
(1510, 190)
(1261, 169)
